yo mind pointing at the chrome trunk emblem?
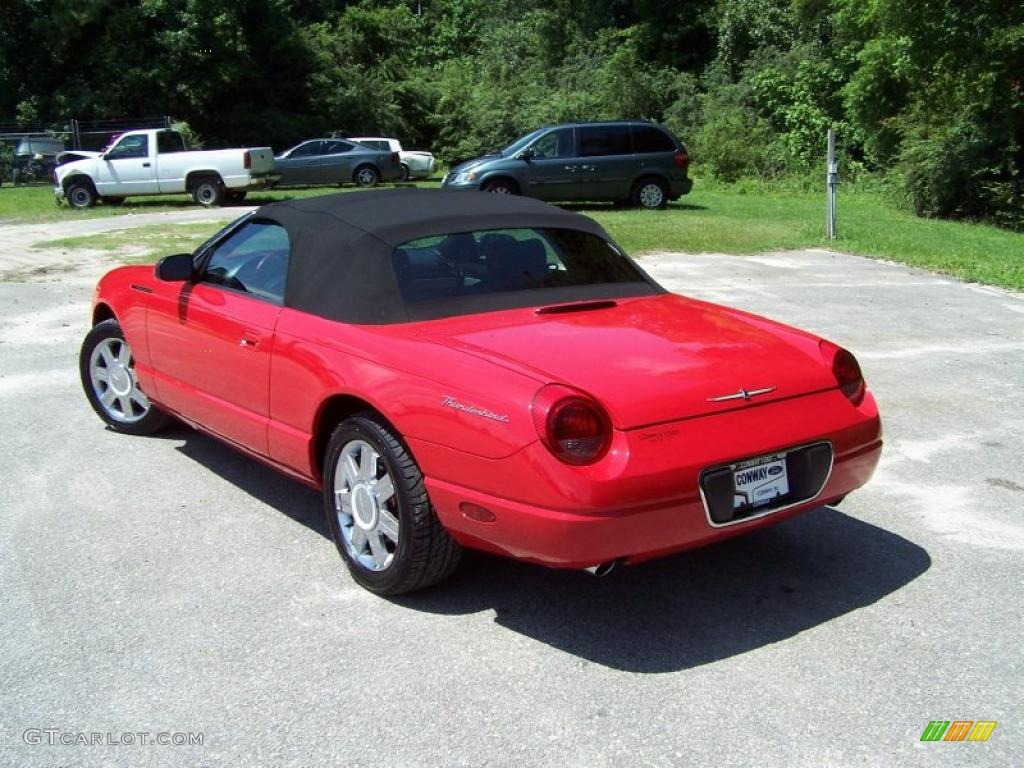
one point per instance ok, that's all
(743, 394)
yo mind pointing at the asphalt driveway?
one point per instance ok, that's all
(170, 586)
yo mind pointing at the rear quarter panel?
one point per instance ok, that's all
(405, 378)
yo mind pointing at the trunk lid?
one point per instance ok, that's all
(648, 360)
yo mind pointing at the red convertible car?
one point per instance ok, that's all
(460, 370)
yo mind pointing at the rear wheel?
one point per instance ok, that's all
(650, 194)
(107, 369)
(208, 191)
(366, 176)
(81, 195)
(378, 511)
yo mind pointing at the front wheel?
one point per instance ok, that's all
(107, 368)
(500, 187)
(378, 511)
(81, 195)
(366, 176)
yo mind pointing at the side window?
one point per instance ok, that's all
(168, 142)
(309, 149)
(602, 140)
(555, 144)
(336, 147)
(254, 259)
(130, 146)
(647, 138)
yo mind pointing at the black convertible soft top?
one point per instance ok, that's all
(341, 244)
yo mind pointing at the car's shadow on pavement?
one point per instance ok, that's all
(696, 607)
(289, 497)
(679, 612)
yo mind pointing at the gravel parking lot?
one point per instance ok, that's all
(171, 586)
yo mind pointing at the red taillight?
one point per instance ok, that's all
(846, 371)
(247, 160)
(682, 159)
(394, 157)
(573, 427)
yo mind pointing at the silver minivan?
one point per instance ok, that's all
(625, 161)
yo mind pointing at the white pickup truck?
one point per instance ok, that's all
(156, 162)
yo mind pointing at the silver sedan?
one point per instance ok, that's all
(318, 162)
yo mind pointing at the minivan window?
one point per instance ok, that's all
(647, 138)
(600, 140)
(554, 144)
(521, 142)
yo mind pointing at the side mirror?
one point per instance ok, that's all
(526, 154)
(176, 268)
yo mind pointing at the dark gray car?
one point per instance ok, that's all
(319, 162)
(630, 161)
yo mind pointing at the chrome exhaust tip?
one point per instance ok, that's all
(599, 571)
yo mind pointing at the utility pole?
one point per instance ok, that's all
(831, 181)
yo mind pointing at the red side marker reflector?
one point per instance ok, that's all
(476, 512)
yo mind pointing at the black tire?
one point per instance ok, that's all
(114, 201)
(424, 553)
(500, 187)
(405, 172)
(80, 195)
(366, 176)
(208, 191)
(141, 420)
(649, 193)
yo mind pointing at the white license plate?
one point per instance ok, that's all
(759, 481)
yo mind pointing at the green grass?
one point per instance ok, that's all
(141, 245)
(716, 219)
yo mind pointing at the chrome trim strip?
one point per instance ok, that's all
(786, 451)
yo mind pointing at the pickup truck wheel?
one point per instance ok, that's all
(405, 172)
(107, 368)
(80, 195)
(114, 201)
(208, 192)
(366, 176)
(379, 513)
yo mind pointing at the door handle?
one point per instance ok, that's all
(145, 165)
(249, 342)
(570, 168)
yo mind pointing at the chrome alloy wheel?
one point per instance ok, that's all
(366, 506)
(113, 379)
(651, 195)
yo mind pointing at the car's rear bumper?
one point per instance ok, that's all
(651, 505)
(679, 187)
(582, 539)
